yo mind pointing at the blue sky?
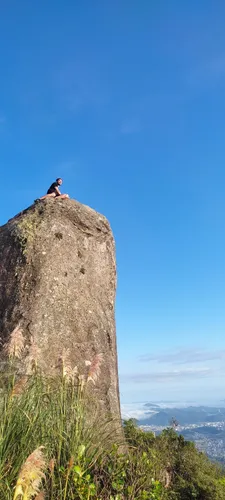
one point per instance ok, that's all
(126, 101)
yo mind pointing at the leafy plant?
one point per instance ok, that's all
(56, 444)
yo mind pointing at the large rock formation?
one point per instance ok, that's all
(57, 283)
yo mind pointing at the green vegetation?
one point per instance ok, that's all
(55, 444)
(26, 229)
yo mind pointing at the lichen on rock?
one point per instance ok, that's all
(26, 228)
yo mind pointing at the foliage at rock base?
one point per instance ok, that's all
(55, 444)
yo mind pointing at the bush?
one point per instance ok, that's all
(56, 444)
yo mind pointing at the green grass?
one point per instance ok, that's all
(55, 443)
(59, 415)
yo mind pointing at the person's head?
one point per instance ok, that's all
(59, 181)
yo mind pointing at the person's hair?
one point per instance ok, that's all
(59, 179)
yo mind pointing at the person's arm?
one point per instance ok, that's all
(57, 190)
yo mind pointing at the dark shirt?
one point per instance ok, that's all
(52, 188)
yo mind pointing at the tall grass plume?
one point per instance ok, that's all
(31, 476)
(95, 368)
(15, 346)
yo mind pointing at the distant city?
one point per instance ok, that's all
(203, 424)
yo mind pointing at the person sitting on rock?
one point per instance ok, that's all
(54, 192)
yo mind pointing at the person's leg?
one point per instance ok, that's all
(51, 195)
(62, 196)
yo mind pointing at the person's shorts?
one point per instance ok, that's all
(51, 191)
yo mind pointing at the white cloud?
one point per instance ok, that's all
(184, 356)
(167, 376)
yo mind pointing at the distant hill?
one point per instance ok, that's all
(151, 405)
(185, 416)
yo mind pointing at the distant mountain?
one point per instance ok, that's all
(151, 405)
(184, 416)
(160, 418)
(160, 403)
